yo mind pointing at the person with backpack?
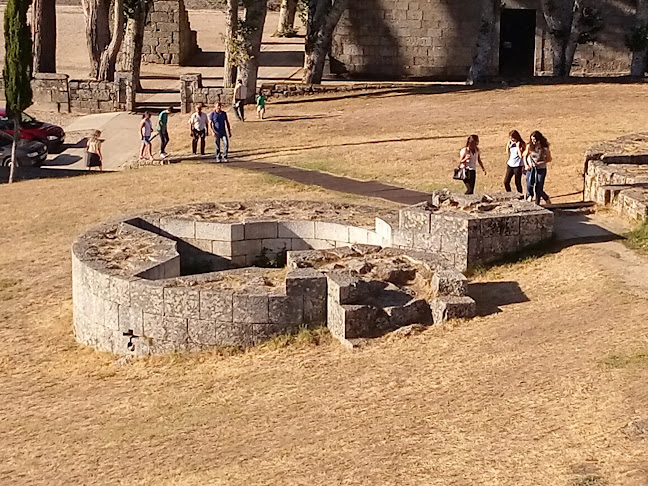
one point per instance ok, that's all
(222, 131)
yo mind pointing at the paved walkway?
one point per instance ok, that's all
(119, 130)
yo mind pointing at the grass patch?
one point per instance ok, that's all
(589, 480)
(638, 239)
(304, 338)
(631, 360)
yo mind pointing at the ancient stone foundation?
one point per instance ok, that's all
(616, 175)
(237, 274)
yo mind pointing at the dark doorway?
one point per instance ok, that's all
(517, 42)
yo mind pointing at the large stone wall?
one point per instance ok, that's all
(436, 39)
(168, 38)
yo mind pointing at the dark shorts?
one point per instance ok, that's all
(93, 160)
(146, 140)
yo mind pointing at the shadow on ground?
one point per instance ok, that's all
(31, 173)
(491, 296)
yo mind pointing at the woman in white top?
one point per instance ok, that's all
(515, 165)
(146, 130)
(469, 157)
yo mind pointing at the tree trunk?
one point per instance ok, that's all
(231, 34)
(16, 139)
(109, 55)
(559, 15)
(640, 58)
(481, 61)
(255, 15)
(287, 16)
(97, 26)
(134, 42)
(44, 35)
(323, 17)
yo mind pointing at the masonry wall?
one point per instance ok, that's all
(168, 38)
(436, 39)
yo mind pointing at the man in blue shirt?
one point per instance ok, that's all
(222, 131)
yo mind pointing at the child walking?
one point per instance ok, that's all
(261, 108)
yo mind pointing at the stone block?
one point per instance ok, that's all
(311, 285)
(363, 321)
(358, 235)
(181, 302)
(247, 247)
(259, 230)
(265, 331)
(535, 223)
(449, 282)
(297, 229)
(403, 238)
(234, 334)
(219, 231)
(415, 218)
(148, 297)
(118, 290)
(297, 244)
(131, 319)
(452, 307)
(500, 226)
(427, 241)
(331, 231)
(415, 312)
(127, 344)
(165, 328)
(286, 310)
(201, 331)
(317, 244)
(180, 228)
(250, 309)
(216, 305)
(111, 315)
(222, 248)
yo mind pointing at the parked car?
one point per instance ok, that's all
(31, 129)
(29, 153)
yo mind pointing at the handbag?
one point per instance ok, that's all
(459, 174)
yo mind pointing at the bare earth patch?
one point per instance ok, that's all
(518, 396)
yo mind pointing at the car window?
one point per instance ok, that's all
(27, 120)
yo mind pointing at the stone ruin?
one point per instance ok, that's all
(237, 274)
(168, 38)
(616, 175)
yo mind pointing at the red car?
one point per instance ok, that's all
(31, 129)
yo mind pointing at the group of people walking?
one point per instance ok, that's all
(200, 125)
(528, 159)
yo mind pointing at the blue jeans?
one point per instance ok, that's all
(535, 179)
(225, 141)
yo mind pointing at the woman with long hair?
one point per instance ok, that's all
(536, 157)
(94, 158)
(515, 165)
(469, 157)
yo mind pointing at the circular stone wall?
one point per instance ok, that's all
(183, 279)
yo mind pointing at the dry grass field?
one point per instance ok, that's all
(413, 138)
(547, 387)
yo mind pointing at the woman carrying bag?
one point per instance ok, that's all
(469, 157)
